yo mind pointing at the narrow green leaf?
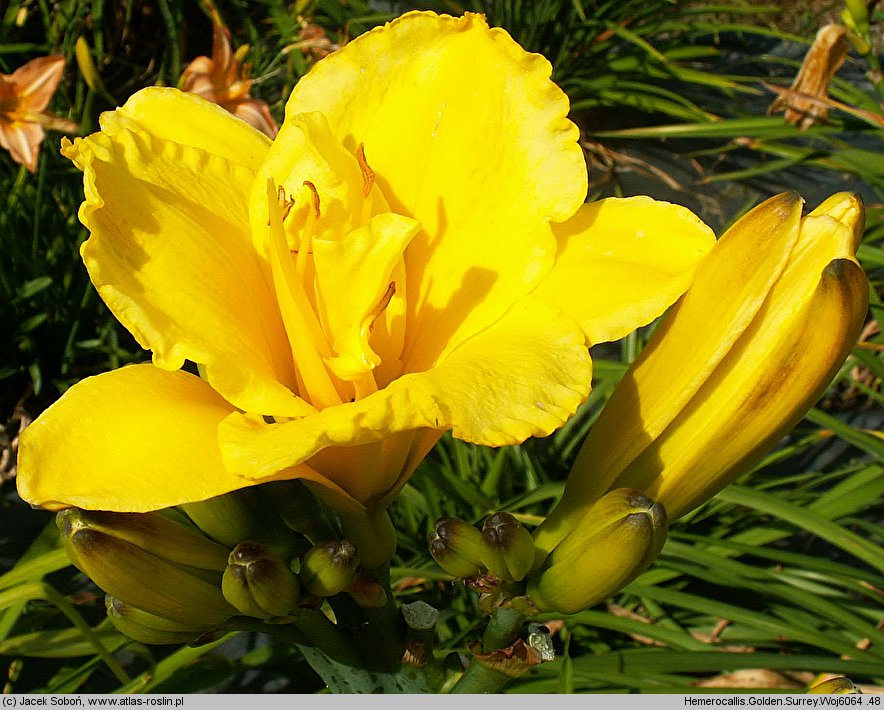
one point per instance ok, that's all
(807, 520)
(861, 440)
(62, 643)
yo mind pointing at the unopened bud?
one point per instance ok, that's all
(160, 534)
(328, 568)
(614, 542)
(141, 578)
(241, 515)
(258, 582)
(457, 547)
(148, 628)
(507, 547)
(840, 685)
(298, 508)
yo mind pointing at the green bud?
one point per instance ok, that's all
(141, 578)
(856, 16)
(328, 568)
(298, 508)
(258, 582)
(614, 542)
(372, 533)
(241, 515)
(160, 534)
(457, 547)
(507, 547)
(224, 518)
(149, 628)
(840, 685)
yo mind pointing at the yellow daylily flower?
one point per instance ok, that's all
(410, 255)
(773, 312)
(24, 96)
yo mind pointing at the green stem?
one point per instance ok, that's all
(376, 632)
(382, 635)
(325, 647)
(365, 659)
(502, 631)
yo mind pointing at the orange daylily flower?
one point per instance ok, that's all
(223, 80)
(24, 95)
(312, 42)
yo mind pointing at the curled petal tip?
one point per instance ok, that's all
(846, 208)
(783, 204)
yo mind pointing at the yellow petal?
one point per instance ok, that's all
(305, 151)
(728, 290)
(171, 255)
(622, 262)
(466, 134)
(522, 377)
(355, 280)
(171, 115)
(131, 440)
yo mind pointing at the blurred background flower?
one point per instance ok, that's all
(24, 96)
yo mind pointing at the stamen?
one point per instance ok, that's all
(309, 347)
(305, 247)
(315, 194)
(367, 172)
(286, 202)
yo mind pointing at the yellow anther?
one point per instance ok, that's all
(315, 195)
(382, 304)
(286, 203)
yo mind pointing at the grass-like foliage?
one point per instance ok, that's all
(777, 579)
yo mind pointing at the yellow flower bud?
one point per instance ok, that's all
(772, 313)
(156, 532)
(366, 593)
(142, 577)
(148, 628)
(614, 542)
(838, 685)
